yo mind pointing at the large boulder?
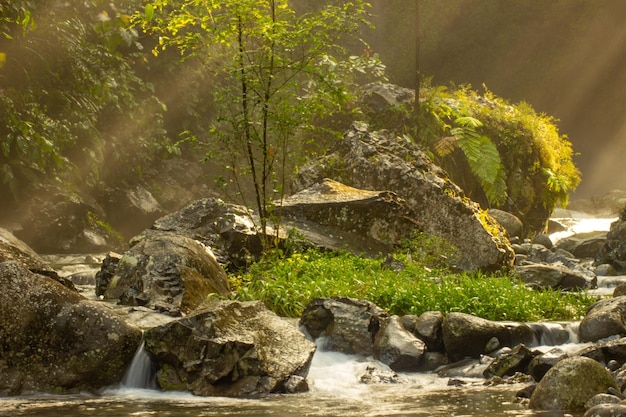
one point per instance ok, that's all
(466, 336)
(570, 384)
(228, 229)
(345, 325)
(335, 216)
(229, 349)
(605, 318)
(54, 340)
(381, 161)
(167, 272)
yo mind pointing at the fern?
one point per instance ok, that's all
(482, 157)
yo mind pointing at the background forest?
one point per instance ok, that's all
(84, 101)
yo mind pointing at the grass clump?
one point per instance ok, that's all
(287, 285)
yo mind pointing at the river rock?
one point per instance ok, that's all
(56, 341)
(398, 348)
(345, 324)
(608, 351)
(614, 250)
(231, 349)
(427, 327)
(553, 276)
(541, 364)
(584, 245)
(511, 223)
(570, 384)
(507, 364)
(465, 335)
(228, 229)
(607, 410)
(332, 215)
(381, 161)
(544, 268)
(605, 318)
(167, 272)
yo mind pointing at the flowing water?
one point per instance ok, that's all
(334, 389)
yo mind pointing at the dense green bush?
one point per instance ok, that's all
(287, 285)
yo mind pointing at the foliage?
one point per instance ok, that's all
(503, 155)
(273, 72)
(287, 285)
(69, 97)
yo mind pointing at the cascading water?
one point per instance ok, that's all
(141, 372)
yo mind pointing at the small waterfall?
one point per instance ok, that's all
(141, 372)
(555, 334)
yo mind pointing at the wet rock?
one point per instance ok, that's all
(398, 348)
(584, 245)
(605, 318)
(230, 349)
(380, 161)
(427, 327)
(56, 341)
(602, 399)
(606, 410)
(606, 351)
(376, 375)
(167, 272)
(517, 360)
(570, 384)
(106, 272)
(541, 364)
(605, 270)
(465, 335)
(347, 325)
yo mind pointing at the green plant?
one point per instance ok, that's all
(274, 70)
(287, 285)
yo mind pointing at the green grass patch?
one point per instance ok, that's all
(287, 285)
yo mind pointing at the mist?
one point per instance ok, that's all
(564, 57)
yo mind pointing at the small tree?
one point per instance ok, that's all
(274, 73)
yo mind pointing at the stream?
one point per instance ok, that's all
(335, 389)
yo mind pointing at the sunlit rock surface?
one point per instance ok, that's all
(570, 384)
(229, 349)
(381, 161)
(167, 272)
(335, 216)
(54, 340)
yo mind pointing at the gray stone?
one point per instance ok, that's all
(570, 384)
(56, 341)
(380, 161)
(605, 318)
(517, 360)
(543, 240)
(167, 272)
(346, 325)
(553, 276)
(465, 335)
(511, 223)
(428, 327)
(606, 410)
(397, 348)
(234, 349)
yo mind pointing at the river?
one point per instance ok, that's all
(334, 391)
